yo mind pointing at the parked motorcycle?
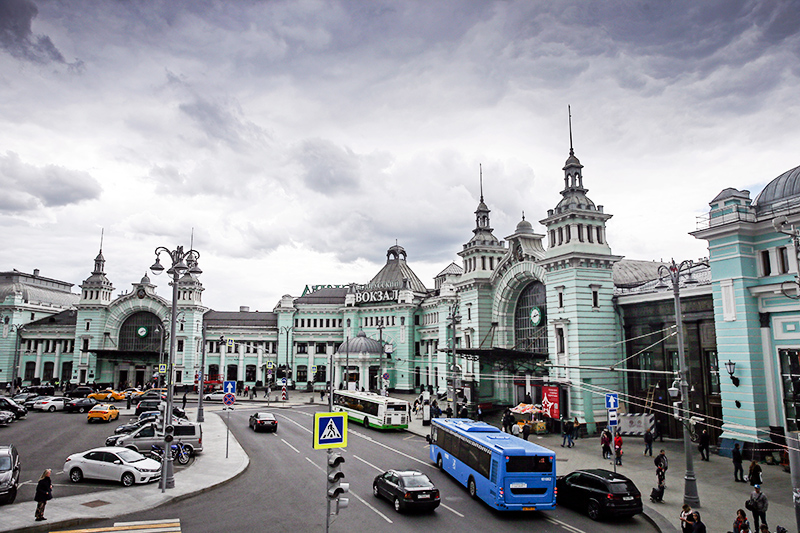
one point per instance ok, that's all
(180, 453)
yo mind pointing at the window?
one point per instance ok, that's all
(561, 298)
(713, 371)
(88, 324)
(599, 235)
(568, 233)
(483, 262)
(322, 375)
(560, 235)
(560, 345)
(645, 360)
(233, 373)
(302, 347)
(180, 345)
(47, 374)
(250, 373)
(302, 373)
(320, 348)
(595, 298)
(589, 233)
(469, 313)
(30, 368)
(530, 319)
(85, 345)
(178, 376)
(580, 232)
(766, 268)
(783, 260)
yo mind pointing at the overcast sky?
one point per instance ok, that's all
(301, 139)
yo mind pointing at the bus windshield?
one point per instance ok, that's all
(525, 463)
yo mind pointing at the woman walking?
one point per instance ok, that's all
(605, 444)
(44, 492)
(739, 523)
(754, 474)
(687, 520)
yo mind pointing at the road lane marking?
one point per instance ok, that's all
(566, 526)
(452, 510)
(295, 423)
(359, 498)
(290, 446)
(368, 463)
(365, 437)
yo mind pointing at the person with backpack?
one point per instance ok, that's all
(648, 443)
(662, 464)
(758, 505)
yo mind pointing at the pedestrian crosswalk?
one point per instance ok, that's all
(143, 526)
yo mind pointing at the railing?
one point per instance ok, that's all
(725, 215)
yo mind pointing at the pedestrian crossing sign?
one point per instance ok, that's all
(330, 430)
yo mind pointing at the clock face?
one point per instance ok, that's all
(536, 316)
(141, 331)
(141, 293)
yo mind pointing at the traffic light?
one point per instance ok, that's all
(336, 487)
(169, 434)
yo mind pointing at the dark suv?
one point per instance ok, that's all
(79, 392)
(9, 473)
(600, 493)
(7, 404)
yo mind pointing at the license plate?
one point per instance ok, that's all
(529, 508)
(519, 486)
(627, 498)
(423, 496)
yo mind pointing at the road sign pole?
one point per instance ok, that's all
(228, 432)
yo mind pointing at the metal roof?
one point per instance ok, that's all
(241, 318)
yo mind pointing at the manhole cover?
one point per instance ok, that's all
(96, 503)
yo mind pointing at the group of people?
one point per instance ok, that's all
(606, 442)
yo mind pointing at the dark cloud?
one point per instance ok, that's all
(17, 37)
(223, 123)
(327, 168)
(26, 187)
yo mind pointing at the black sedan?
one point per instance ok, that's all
(80, 405)
(130, 427)
(407, 489)
(263, 421)
(600, 493)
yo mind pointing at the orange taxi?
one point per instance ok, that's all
(105, 412)
(108, 395)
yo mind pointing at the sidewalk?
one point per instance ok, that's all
(209, 470)
(720, 495)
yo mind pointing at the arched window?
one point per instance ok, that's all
(530, 319)
(141, 332)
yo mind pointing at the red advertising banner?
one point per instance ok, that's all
(550, 402)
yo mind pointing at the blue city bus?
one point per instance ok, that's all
(507, 472)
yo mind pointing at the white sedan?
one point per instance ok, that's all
(51, 403)
(112, 463)
(215, 396)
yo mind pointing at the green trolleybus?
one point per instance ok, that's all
(372, 410)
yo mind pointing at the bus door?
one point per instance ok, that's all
(529, 480)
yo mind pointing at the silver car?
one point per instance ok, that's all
(112, 463)
(6, 417)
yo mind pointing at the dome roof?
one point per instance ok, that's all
(785, 186)
(397, 270)
(360, 345)
(575, 199)
(524, 226)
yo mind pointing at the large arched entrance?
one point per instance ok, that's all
(530, 320)
(135, 358)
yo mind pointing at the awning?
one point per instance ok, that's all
(512, 361)
(124, 356)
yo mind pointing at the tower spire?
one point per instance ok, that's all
(480, 168)
(569, 112)
(102, 231)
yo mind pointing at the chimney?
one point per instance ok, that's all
(244, 308)
(35, 272)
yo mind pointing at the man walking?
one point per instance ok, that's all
(662, 464)
(648, 443)
(704, 442)
(758, 506)
(738, 471)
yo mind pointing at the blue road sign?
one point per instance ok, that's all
(229, 399)
(612, 400)
(229, 386)
(283, 381)
(330, 430)
(612, 417)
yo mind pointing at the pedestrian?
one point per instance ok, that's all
(754, 475)
(605, 443)
(128, 401)
(576, 429)
(322, 394)
(464, 413)
(267, 391)
(44, 492)
(449, 411)
(662, 465)
(740, 522)
(699, 526)
(686, 518)
(648, 443)
(508, 421)
(758, 505)
(480, 413)
(526, 431)
(704, 442)
(516, 430)
(764, 529)
(567, 437)
(183, 401)
(527, 399)
(618, 449)
(658, 434)
(738, 471)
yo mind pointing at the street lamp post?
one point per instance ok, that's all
(381, 384)
(201, 376)
(181, 263)
(15, 366)
(454, 318)
(673, 272)
(287, 329)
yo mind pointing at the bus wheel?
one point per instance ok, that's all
(439, 462)
(366, 422)
(473, 492)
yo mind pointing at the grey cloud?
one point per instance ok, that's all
(327, 168)
(27, 187)
(17, 37)
(223, 123)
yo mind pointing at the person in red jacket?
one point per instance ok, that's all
(618, 448)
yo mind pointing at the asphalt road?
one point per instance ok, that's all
(284, 489)
(44, 440)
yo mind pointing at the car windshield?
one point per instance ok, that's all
(623, 487)
(130, 456)
(417, 481)
(5, 463)
(12, 402)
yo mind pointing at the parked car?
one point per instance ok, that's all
(7, 404)
(158, 394)
(6, 417)
(79, 392)
(21, 397)
(147, 405)
(142, 439)
(263, 421)
(80, 405)
(132, 393)
(124, 429)
(30, 402)
(9, 473)
(51, 404)
(116, 464)
(41, 390)
(215, 396)
(406, 489)
(107, 395)
(601, 493)
(103, 411)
